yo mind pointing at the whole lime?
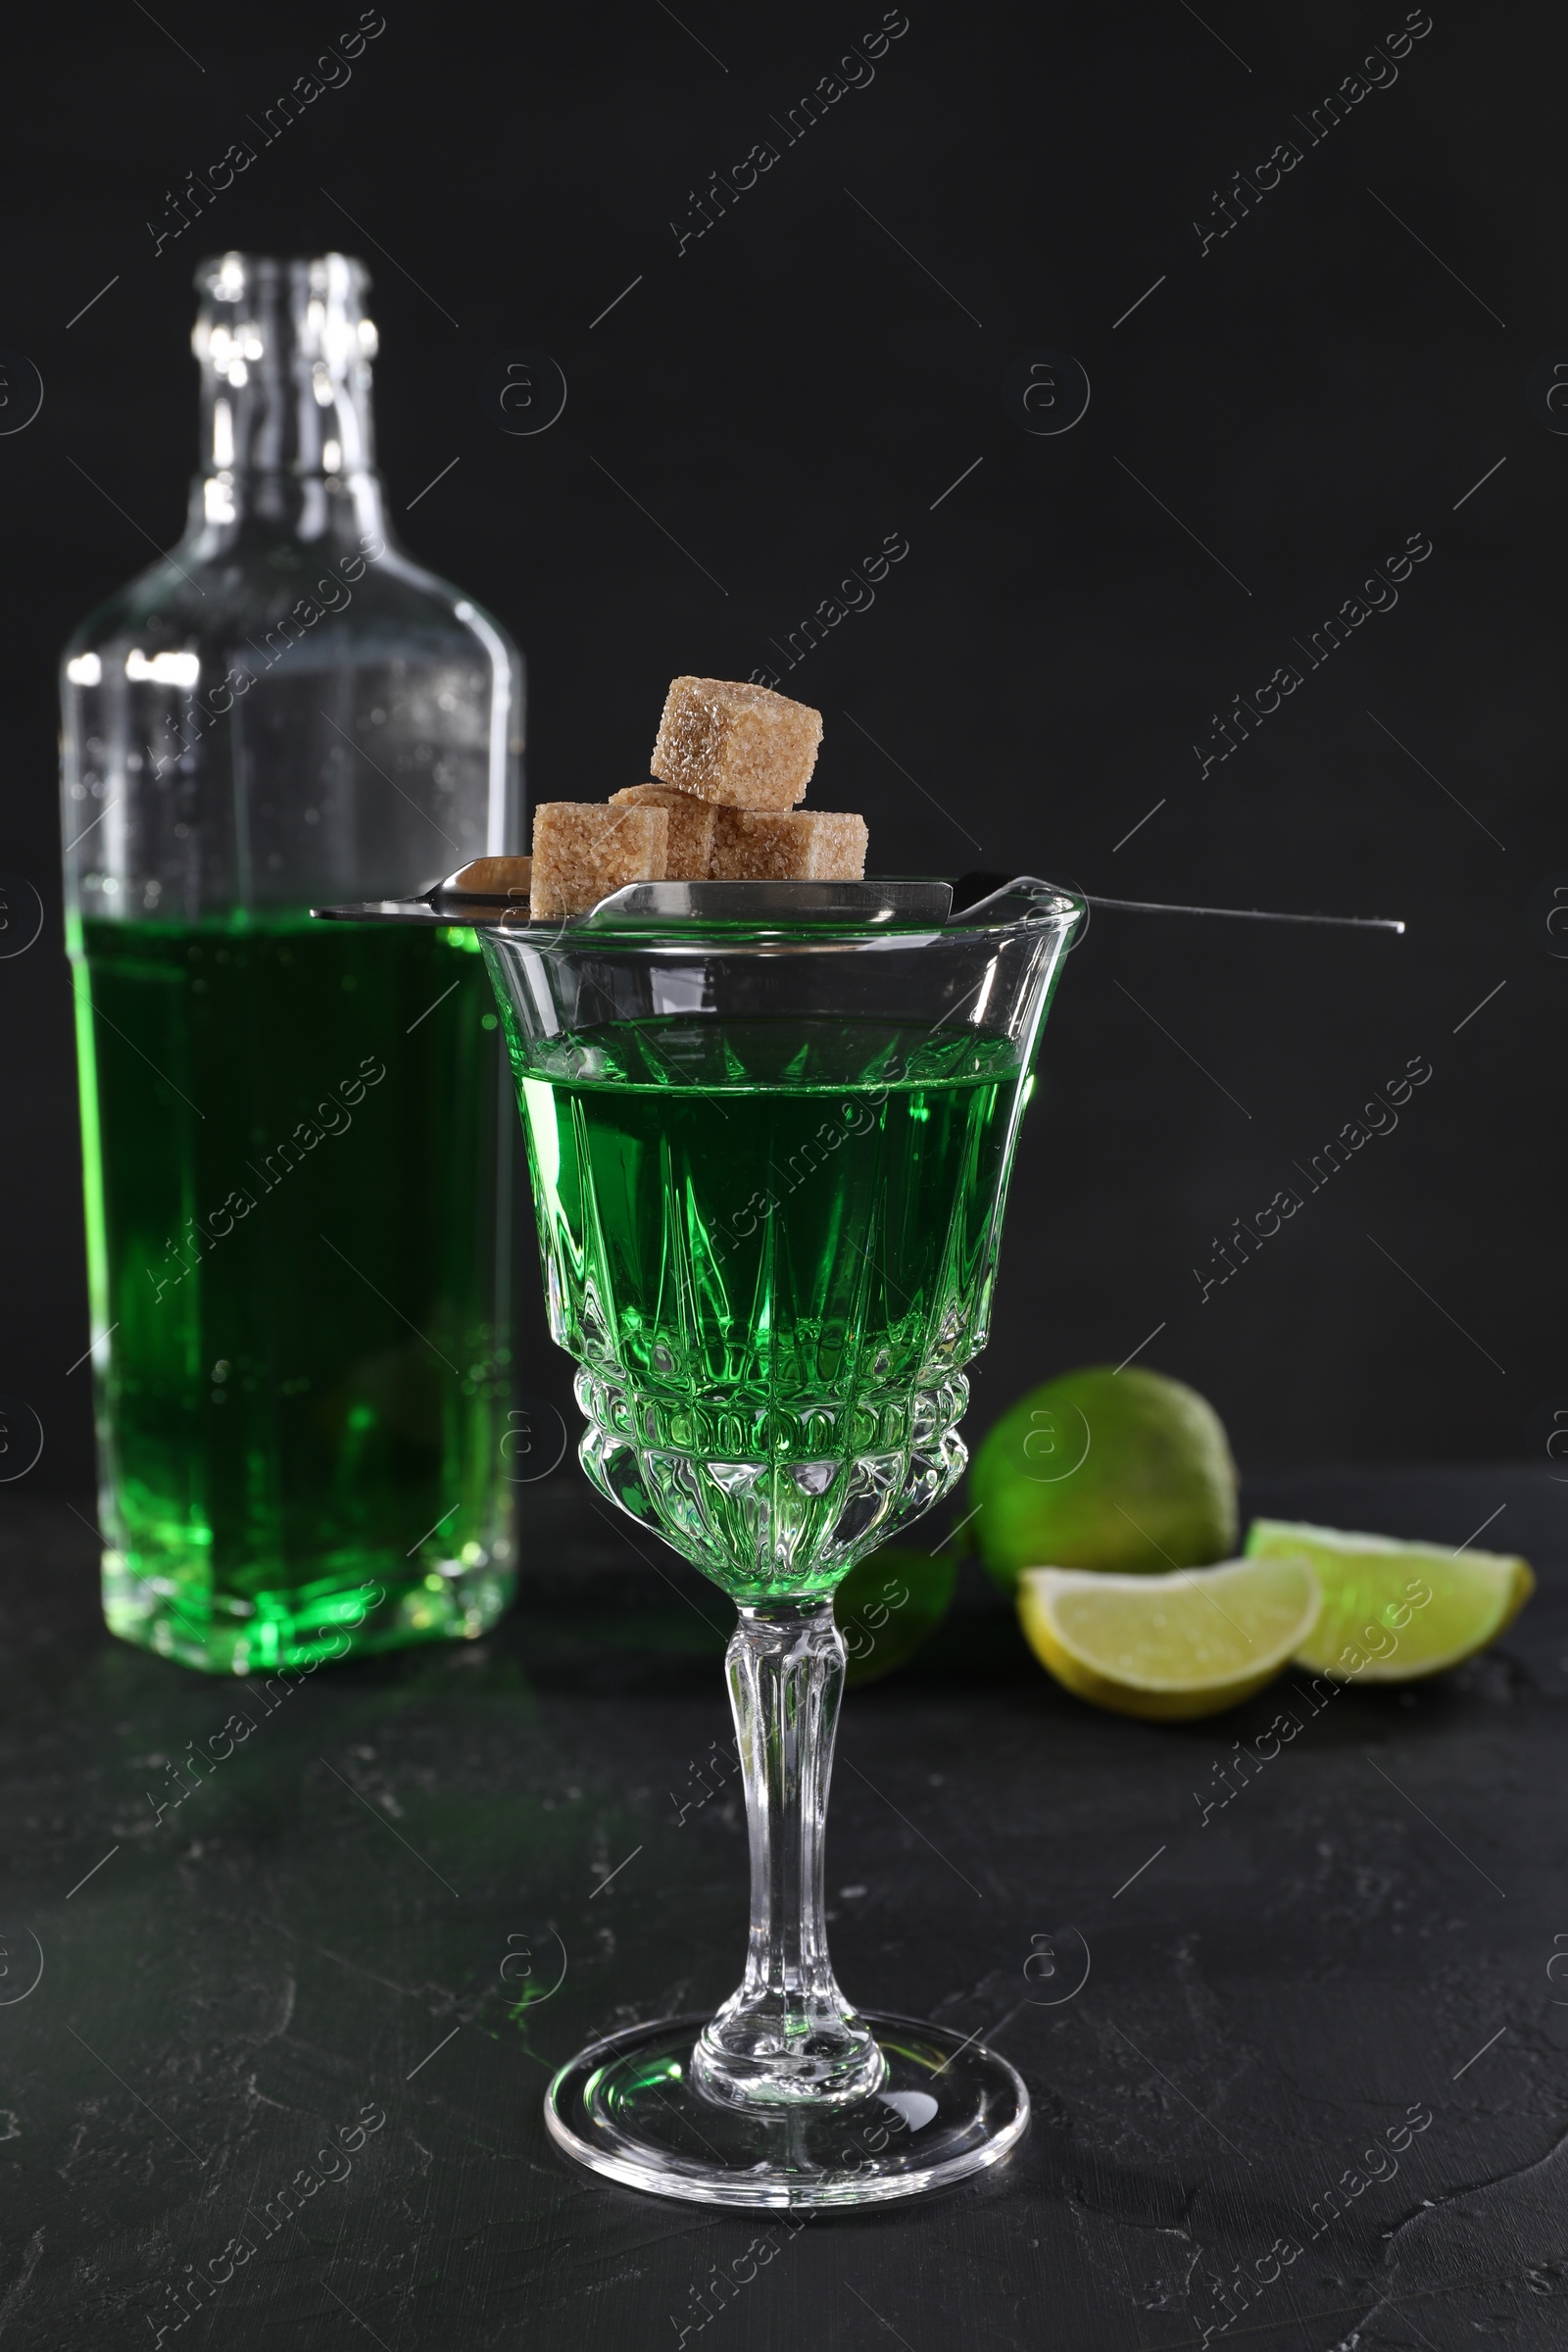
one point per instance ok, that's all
(1100, 1469)
(887, 1607)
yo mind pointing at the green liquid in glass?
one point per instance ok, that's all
(771, 1246)
(297, 1251)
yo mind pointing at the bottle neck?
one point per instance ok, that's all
(230, 507)
(287, 435)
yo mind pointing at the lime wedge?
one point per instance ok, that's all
(1161, 1646)
(1392, 1611)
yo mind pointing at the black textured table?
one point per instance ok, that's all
(290, 2035)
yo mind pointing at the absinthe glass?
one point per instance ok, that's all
(769, 1173)
(294, 1141)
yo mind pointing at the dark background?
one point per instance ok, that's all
(804, 379)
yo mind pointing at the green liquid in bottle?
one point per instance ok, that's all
(771, 1246)
(297, 1244)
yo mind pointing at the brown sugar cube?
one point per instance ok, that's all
(582, 850)
(691, 827)
(740, 746)
(796, 845)
(493, 878)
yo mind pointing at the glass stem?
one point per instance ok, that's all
(787, 2034)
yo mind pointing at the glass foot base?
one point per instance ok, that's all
(626, 2107)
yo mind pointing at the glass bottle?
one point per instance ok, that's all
(294, 1135)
